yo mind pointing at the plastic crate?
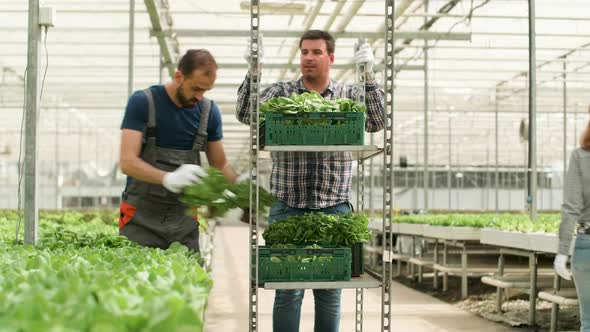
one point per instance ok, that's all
(358, 260)
(270, 270)
(315, 128)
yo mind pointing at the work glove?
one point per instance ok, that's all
(248, 56)
(560, 267)
(183, 176)
(365, 56)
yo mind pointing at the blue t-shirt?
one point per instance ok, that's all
(175, 127)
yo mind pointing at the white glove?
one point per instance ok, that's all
(247, 55)
(243, 177)
(365, 56)
(183, 176)
(560, 267)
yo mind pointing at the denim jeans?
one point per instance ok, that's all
(287, 306)
(581, 270)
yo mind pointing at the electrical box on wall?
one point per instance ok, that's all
(47, 16)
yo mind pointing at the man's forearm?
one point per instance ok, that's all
(229, 173)
(139, 169)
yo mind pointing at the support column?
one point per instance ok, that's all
(564, 119)
(497, 145)
(131, 45)
(532, 155)
(31, 115)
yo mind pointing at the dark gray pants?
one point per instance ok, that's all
(158, 225)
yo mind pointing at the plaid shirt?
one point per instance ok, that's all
(313, 180)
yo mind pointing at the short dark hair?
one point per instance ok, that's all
(320, 34)
(197, 59)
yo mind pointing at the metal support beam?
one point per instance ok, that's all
(32, 102)
(131, 46)
(564, 119)
(388, 166)
(254, 150)
(532, 155)
(426, 175)
(450, 145)
(422, 35)
(497, 148)
(168, 57)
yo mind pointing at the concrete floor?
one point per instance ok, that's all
(412, 311)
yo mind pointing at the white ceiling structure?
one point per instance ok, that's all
(478, 66)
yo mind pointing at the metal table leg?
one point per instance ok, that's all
(464, 272)
(500, 291)
(435, 261)
(533, 295)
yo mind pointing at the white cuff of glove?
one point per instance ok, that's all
(248, 55)
(183, 176)
(560, 265)
(365, 56)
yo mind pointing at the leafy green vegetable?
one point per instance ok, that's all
(219, 195)
(309, 102)
(548, 223)
(84, 277)
(319, 228)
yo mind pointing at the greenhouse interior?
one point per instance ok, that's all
(408, 165)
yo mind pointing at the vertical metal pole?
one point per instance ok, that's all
(361, 79)
(564, 120)
(416, 171)
(388, 164)
(497, 147)
(575, 140)
(371, 178)
(487, 189)
(31, 130)
(533, 286)
(449, 179)
(426, 175)
(500, 290)
(160, 73)
(57, 191)
(79, 133)
(254, 95)
(131, 45)
(360, 209)
(532, 160)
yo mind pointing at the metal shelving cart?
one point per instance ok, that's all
(359, 153)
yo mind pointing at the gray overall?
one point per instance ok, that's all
(151, 215)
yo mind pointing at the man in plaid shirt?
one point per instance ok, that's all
(313, 181)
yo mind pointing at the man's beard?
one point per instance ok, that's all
(183, 100)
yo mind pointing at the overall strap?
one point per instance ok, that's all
(150, 130)
(200, 143)
(149, 134)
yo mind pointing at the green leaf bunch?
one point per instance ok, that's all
(319, 228)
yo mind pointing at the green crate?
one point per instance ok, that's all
(269, 270)
(315, 128)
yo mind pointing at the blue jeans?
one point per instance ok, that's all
(287, 306)
(581, 270)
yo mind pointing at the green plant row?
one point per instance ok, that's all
(548, 223)
(85, 277)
